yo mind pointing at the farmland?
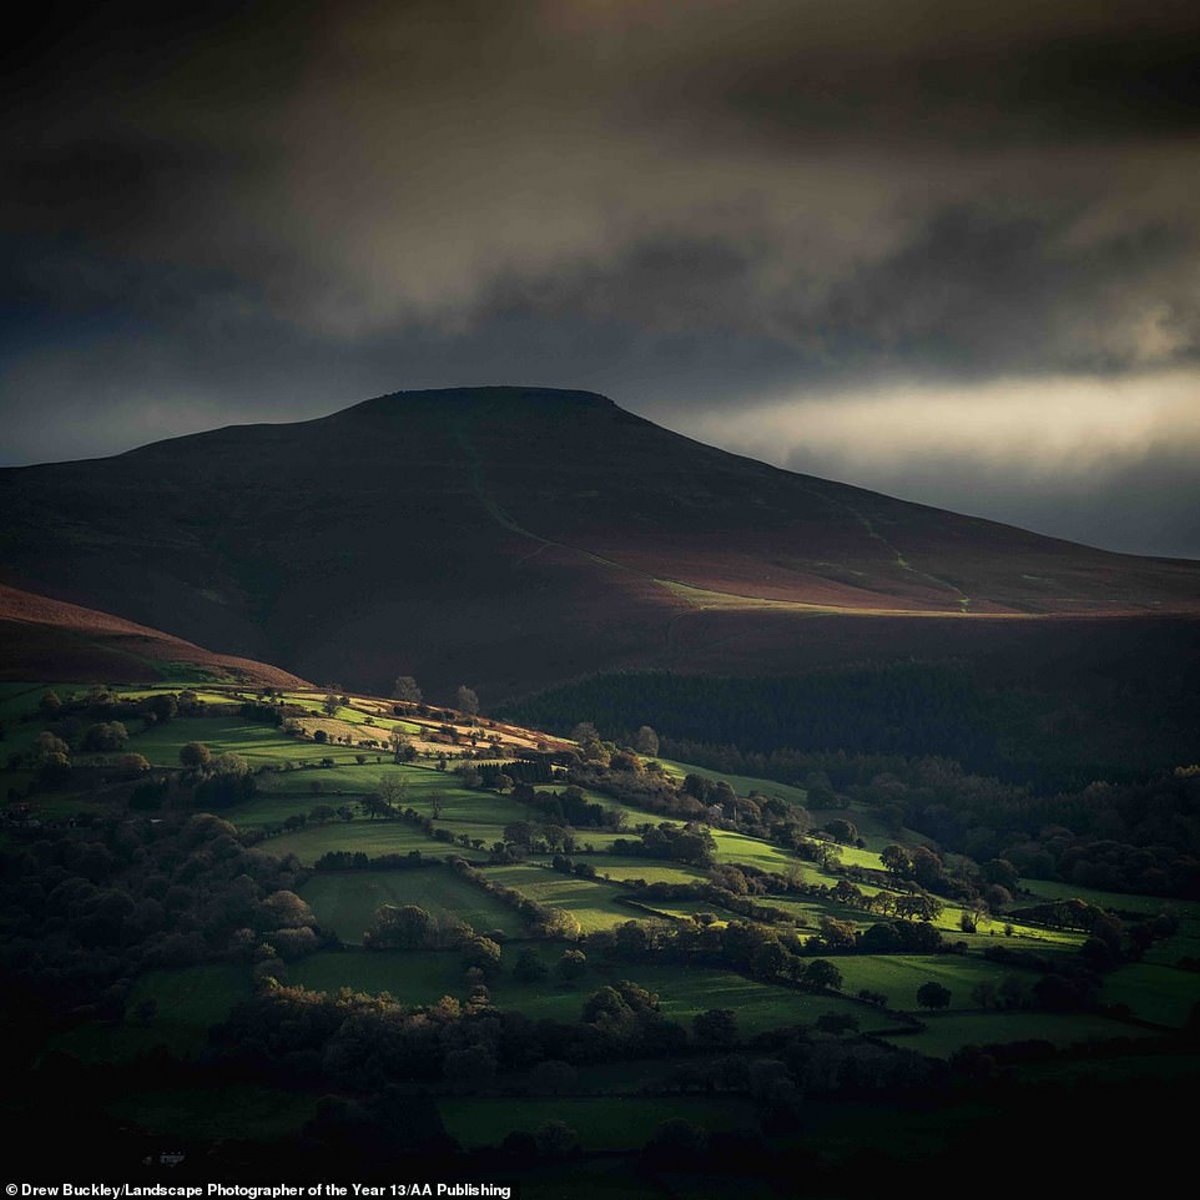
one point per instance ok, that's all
(346, 901)
(732, 965)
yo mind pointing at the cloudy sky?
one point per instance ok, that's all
(943, 248)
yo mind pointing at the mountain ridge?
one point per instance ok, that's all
(515, 537)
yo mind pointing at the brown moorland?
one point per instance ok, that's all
(44, 639)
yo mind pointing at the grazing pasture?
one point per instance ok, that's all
(171, 1007)
(944, 1034)
(371, 837)
(1163, 995)
(345, 901)
(592, 902)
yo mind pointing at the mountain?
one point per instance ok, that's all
(511, 538)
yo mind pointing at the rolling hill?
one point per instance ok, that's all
(52, 640)
(513, 538)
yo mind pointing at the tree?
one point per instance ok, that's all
(768, 960)
(162, 707)
(401, 927)
(716, 1027)
(466, 701)
(195, 756)
(822, 974)
(401, 744)
(330, 705)
(529, 967)
(919, 905)
(896, 860)
(105, 737)
(374, 805)
(933, 995)
(842, 830)
(230, 764)
(1001, 872)
(572, 965)
(285, 910)
(483, 955)
(405, 688)
(519, 833)
(646, 742)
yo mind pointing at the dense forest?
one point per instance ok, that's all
(1051, 731)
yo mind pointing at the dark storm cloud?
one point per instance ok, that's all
(708, 210)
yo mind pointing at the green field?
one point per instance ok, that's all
(944, 1035)
(1164, 995)
(601, 1122)
(371, 837)
(593, 903)
(898, 976)
(1045, 889)
(619, 868)
(424, 976)
(189, 1000)
(740, 848)
(742, 784)
(257, 743)
(345, 901)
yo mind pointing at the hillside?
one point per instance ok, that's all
(48, 639)
(515, 538)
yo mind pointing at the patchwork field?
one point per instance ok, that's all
(288, 818)
(424, 976)
(345, 901)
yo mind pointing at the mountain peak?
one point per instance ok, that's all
(506, 397)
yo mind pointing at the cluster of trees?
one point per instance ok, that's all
(369, 1042)
(89, 908)
(692, 844)
(357, 860)
(411, 927)
(221, 780)
(776, 955)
